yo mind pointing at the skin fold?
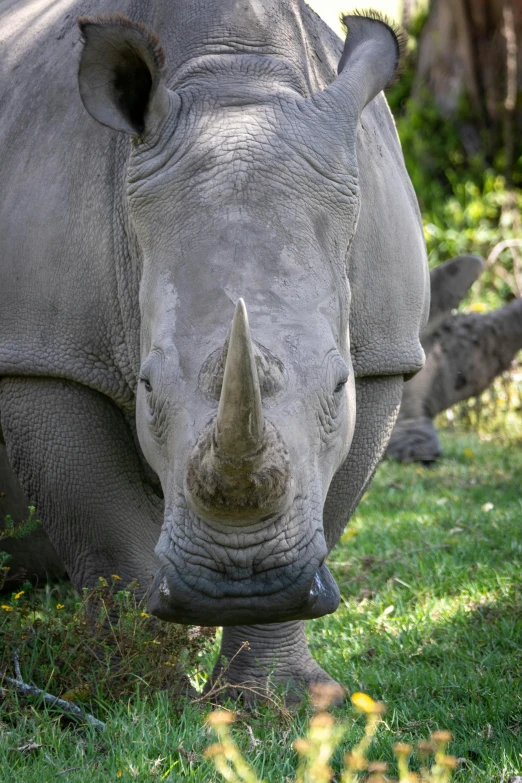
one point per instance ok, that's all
(215, 287)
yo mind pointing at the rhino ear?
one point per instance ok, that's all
(373, 50)
(120, 73)
(450, 282)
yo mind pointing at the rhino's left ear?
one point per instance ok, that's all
(450, 282)
(120, 73)
(373, 50)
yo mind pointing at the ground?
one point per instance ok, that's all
(430, 622)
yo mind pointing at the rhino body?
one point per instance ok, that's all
(223, 159)
(464, 355)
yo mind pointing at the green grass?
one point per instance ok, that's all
(430, 622)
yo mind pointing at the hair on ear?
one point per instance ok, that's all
(398, 32)
(150, 39)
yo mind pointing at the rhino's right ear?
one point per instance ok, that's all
(120, 73)
(372, 55)
(450, 282)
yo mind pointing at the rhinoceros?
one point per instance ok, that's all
(464, 355)
(213, 282)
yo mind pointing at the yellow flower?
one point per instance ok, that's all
(366, 704)
(323, 720)
(116, 578)
(378, 766)
(363, 702)
(7, 608)
(103, 581)
(442, 736)
(59, 606)
(478, 307)
(402, 749)
(348, 535)
(450, 762)
(145, 614)
(119, 773)
(214, 750)
(17, 596)
(221, 718)
(301, 746)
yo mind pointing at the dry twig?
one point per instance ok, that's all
(54, 701)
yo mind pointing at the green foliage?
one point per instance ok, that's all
(498, 411)
(22, 529)
(465, 203)
(475, 219)
(15, 530)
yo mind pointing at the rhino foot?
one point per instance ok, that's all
(414, 440)
(255, 660)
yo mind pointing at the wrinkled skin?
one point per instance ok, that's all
(464, 354)
(225, 174)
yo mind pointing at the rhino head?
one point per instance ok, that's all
(242, 193)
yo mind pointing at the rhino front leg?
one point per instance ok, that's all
(77, 462)
(276, 655)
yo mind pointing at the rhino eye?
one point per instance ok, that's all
(146, 383)
(340, 385)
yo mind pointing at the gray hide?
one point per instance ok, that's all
(464, 354)
(165, 429)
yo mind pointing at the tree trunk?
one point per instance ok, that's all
(409, 9)
(470, 51)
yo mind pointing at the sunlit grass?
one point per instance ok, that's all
(442, 626)
(430, 623)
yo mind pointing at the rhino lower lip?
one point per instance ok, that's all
(169, 603)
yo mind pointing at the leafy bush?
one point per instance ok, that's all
(100, 645)
(15, 530)
(465, 203)
(497, 411)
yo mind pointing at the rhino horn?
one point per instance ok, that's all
(239, 422)
(239, 471)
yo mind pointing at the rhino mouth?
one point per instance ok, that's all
(170, 600)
